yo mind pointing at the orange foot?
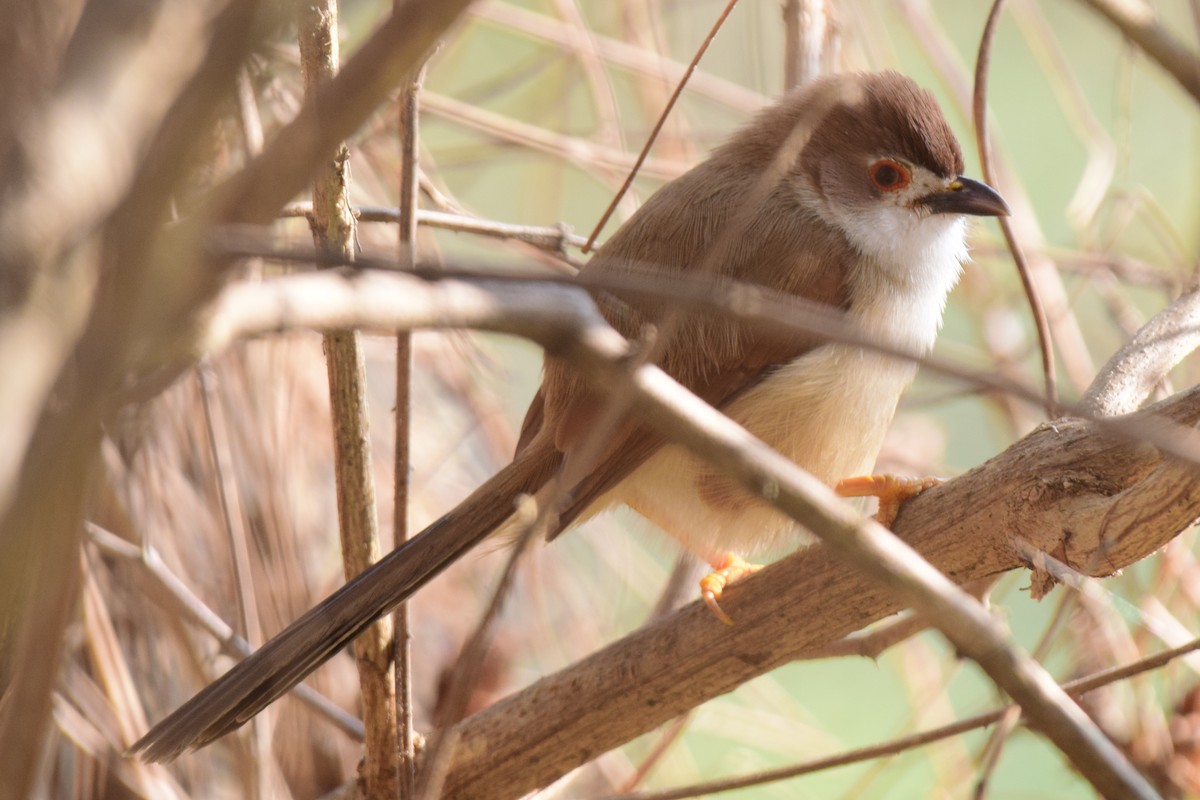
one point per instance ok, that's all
(892, 490)
(726, 570)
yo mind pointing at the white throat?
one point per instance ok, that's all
(911, 263)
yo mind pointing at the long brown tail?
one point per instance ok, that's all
(310, 641)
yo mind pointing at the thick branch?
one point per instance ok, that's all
(1065, 487)
(1065, 472)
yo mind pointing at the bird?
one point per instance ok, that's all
(846, 192)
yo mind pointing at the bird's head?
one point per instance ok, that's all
(883, 165)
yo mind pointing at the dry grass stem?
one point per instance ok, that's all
(167, 585)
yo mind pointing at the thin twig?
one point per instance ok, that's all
(333, 231)
(409, 119)
(589, 155)
(671, 733)
(217, 435)
(983, 141)
(555, 238)
(583, 47)
(993, 749)
(662, 118)
(466, 671)
(872, 644)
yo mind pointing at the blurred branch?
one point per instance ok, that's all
(108, 661)
(57, 194)
(1137, 21)
(1123, 266)
(622, 54)
(1097, 178)
(32, 42)
(1146, 359)
(234, 529)
(248, 114)
(144, 91)
(83, 713)
(555, 238)
(444, 744)
(872, 644)
(804, 24)
(582, 46)
(334, 111)
(465, 296)
(69, 323)
(578, 150)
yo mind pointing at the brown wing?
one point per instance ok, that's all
(736, 217)
(636, 443)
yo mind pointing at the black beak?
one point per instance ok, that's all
(965, 196)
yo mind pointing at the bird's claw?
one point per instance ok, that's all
(892, 491)
(725, 571)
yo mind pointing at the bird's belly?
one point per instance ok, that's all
(828, 411)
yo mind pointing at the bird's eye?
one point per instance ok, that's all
(888, 175)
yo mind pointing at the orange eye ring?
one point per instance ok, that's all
(888, 175)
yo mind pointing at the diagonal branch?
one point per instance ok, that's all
(1037, 487)
(1137, 21)
(1118, 500)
